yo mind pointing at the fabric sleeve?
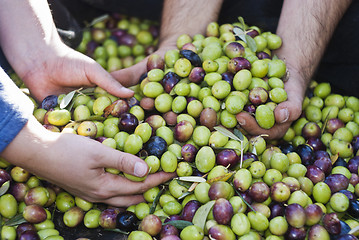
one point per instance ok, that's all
(15, 110)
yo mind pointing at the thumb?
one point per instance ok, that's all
(124, 162)
(102, 78)
(288, 111)
(131, 75)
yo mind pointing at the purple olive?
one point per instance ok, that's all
(337, 182)
(222, 211)
(353, 164)
(196, 75)
(169, 80)
(127, 122)
(188, 152)
(49, 102)
(315, 174)
(108, 218)
(168, 230)
(190, 209)
(238, 63)
(4, 177)
(227, 157)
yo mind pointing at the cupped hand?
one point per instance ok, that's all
(77, 164)
(285, 113)
(65, 70)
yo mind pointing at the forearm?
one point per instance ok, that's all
(190, 17)
(27, 32)
(306, 28)
(15, 110)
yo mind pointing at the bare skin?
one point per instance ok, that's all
(305, 28)
(48, 66)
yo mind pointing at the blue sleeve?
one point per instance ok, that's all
(15, 110)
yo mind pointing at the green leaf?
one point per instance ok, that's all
(185, 194)
(251, 43)
(155, 201)
(227, 133)
(15, 220)
(238, 133)
(4, 187)
(88, 90)
(254, 150)
(200, 217)
(184, 184)
(239, 33)
(244, 200)
(99, 19)
(191, 179)
(179, 224)
(241, 20)
(67, 99)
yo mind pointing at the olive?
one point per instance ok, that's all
(49, 102)
(127, 221)
(155, 146)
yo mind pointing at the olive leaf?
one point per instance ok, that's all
(155, 201)
(185, 194)
(200, 217)
(15, 220)
(251, 43)
(227, 133)
(254, 149)
(98, 19)
(191, 179)
(326, 121)
(184, 184)
(244, 200)
(241, 20)
(88, 91)
(222, 178)
(238, 133)
(117, 230)
(239, 33)
(192, 187)
(179, 224)
(67, 99)
(4, 187)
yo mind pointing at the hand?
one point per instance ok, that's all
(130, 76)
(76, 164)
(285, 113)
(65, 70)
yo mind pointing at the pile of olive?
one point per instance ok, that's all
(220, 73)
(119, 41)
(182, 119)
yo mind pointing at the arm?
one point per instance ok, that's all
(72, 162)
(34, 49)
(305, 28)
(178, 17)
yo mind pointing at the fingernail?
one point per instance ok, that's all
(285, 115)
(241, 122)
(140, 169)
